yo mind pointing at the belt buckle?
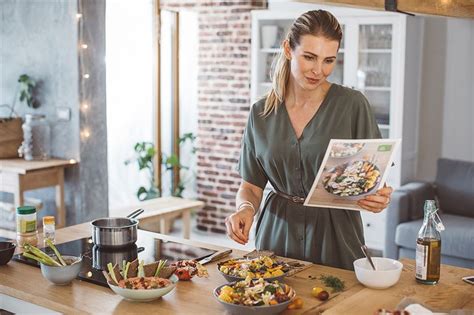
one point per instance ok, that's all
(297, 199)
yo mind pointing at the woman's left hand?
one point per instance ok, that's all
(376, 203)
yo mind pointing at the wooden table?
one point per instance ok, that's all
(160, 211)
(18, 176)
(195, 297)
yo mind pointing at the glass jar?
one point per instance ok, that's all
(37, 138)
(26, 226)
(49, 231)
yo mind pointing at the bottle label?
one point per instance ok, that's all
(24, 226)
(421, 261)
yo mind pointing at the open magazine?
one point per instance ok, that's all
(351, 170)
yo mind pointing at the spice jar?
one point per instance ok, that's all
(26, 226)
(49, 231)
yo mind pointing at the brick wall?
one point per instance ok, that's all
(224, 101)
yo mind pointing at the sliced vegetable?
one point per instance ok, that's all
(48, 260)
(161, 264)
(56, 252)
(125, 271)
(110, 267)
(141, 271)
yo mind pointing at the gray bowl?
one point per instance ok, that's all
(62, 275)
(235, 278)
(251, 310)
(6, 252)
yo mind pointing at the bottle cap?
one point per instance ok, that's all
(48, 219)
(26, 210)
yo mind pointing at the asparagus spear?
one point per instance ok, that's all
(125, 272)
(112, 273)
(160, 267)
(55, 250)
(141, 272)
(40, 254)
(38, 259)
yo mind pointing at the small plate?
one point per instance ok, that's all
(144, 295)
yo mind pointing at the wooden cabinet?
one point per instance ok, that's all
(379, 56)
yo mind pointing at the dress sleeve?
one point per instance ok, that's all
(249, 168)
(365, 125)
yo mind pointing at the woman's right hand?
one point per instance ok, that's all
(238, 225)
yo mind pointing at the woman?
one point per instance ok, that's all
(285, 140)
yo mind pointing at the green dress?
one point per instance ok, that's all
(271, 152)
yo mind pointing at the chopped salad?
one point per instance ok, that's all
(144, 283)
(258, 292)
(353, 179)
(261, 267)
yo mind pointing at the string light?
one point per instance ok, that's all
(85, 133)
(85, 106)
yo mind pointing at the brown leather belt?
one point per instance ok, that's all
(295, 199)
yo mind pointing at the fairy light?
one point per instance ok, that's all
(85, 107)
(85, 133)
(84, 46)
(78, 16)
(86, 76)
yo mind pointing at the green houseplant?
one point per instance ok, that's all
(11, 133)
(145, 153)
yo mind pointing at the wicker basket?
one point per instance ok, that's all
(11, 136)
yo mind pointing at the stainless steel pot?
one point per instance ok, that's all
(116, 232)
(102, 256)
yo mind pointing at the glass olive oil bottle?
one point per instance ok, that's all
(428, 246)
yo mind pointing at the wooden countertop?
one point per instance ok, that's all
(195, 297)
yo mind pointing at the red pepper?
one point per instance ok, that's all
(183, 274)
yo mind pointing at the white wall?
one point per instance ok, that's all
(447, 99)
(458, 113)
(130, 62)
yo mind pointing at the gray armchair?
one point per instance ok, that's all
(454, 190)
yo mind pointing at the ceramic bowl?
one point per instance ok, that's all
(251, 310)
(387, 272)
(6, 252)
(62, 275)
(144, 295)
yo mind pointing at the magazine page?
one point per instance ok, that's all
(351, 170)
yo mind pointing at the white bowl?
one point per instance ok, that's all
(387, 272)
(144, 295)
(62, 275)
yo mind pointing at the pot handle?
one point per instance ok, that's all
(140, 249)
(135, 213)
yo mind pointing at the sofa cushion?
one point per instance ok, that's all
(457, 240)
(455, 187)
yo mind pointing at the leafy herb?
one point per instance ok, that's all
(335, 283)
(269, 288)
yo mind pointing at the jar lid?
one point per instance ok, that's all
(26, 210)
(49, 219)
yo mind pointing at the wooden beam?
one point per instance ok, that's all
(157, 160)
(175, 74)
(452, 8)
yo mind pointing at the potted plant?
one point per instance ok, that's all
(11, 133)
(144, 155)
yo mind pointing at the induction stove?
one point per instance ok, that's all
(148, 248)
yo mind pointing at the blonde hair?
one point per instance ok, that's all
(317, 23)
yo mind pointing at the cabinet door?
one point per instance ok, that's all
(374, 70)
(337, 75)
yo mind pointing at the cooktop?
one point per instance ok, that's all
(95, 259)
